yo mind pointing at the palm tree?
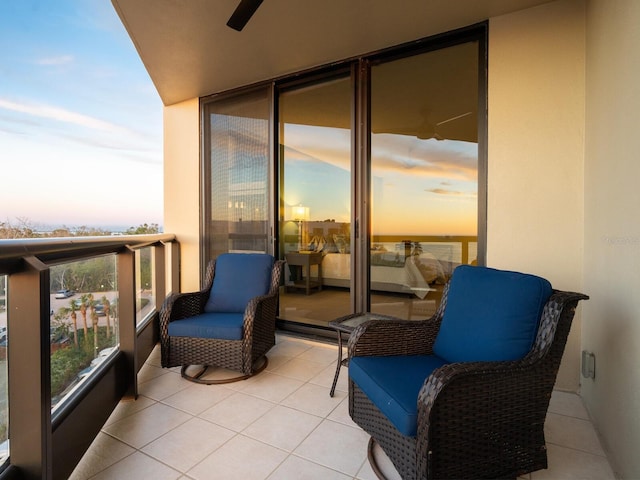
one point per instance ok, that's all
(94, 321)
(107, 308)
(83, 311)
(74, 319)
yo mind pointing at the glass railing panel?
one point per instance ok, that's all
(83, 321)
(145, 288)
(4, 390)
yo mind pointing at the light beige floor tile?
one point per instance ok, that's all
(322, 353)
(313, 399)
(186, 445)
(149, 372)
(196, 398)
(568, 464)
(155, 357)
(325, 378)
(573, 433)
(163, 386)
(276, 361)
(384, 464)
(237, 411)
(300, 369)
(300, 469)
(335, 446)
(569, 404)
(129, 407)
(137, 467)
(241, 458)
(104, 452)
(269, 415)
(341, 413)
(283, 427)
(270, 386)
(146, 425)
(289, 348)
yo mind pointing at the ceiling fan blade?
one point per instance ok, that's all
(453, 118)
(243, 12)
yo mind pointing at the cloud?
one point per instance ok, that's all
(62, 115)
(443, 191)
(56, 61)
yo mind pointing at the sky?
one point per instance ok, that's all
(80, 119)
(419, 187)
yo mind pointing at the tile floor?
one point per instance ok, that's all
(280, 424)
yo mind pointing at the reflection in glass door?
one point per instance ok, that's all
(315, 201)
(237, 174)
(423, 177)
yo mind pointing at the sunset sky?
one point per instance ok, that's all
(80, 120)
(81, 138)
(420, 187)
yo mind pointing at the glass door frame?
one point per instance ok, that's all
(359, 69)
(348, 69)
(205, 168)
(475, 33)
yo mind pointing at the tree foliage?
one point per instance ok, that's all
(22, 227)
(96, 274)
(144, 229)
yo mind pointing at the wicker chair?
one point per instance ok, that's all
(475, 419)
(230, 323)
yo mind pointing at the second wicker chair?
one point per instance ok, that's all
(465, 393)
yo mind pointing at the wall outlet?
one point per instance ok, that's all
(588, 364)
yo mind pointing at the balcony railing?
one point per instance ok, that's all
(51, 412)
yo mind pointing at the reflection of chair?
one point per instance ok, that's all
(230, 323)
(465, 393)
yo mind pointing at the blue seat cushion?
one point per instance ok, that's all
(393, 383)
(223, 326)
(238, 278)
(491, 315)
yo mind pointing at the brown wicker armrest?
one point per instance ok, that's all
(393, 337)
(182, 305)
(507, 401)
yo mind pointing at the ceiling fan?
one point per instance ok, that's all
(243, 12)
(426, 129)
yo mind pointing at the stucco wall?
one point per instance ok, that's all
(181, 186)
(536, 151)
(611, 323)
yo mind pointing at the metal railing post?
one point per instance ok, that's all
(127, 316)
(29, 365)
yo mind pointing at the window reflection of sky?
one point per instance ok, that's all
(426, 187)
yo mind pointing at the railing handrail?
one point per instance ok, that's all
(59, 248)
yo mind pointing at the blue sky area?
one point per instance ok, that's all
(80, 120)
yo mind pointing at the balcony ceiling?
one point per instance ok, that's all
(190, 52)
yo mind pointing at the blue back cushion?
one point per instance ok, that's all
(392, 383)
(238, 278)
(491, 315)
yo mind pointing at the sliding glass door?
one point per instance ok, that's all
(368, 178)
(315, 200)
(236, 182)
(423, 176)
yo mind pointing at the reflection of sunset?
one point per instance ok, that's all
(419, 187)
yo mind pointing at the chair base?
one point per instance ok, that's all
(372, 459)
(371, 456)
(259, 365)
